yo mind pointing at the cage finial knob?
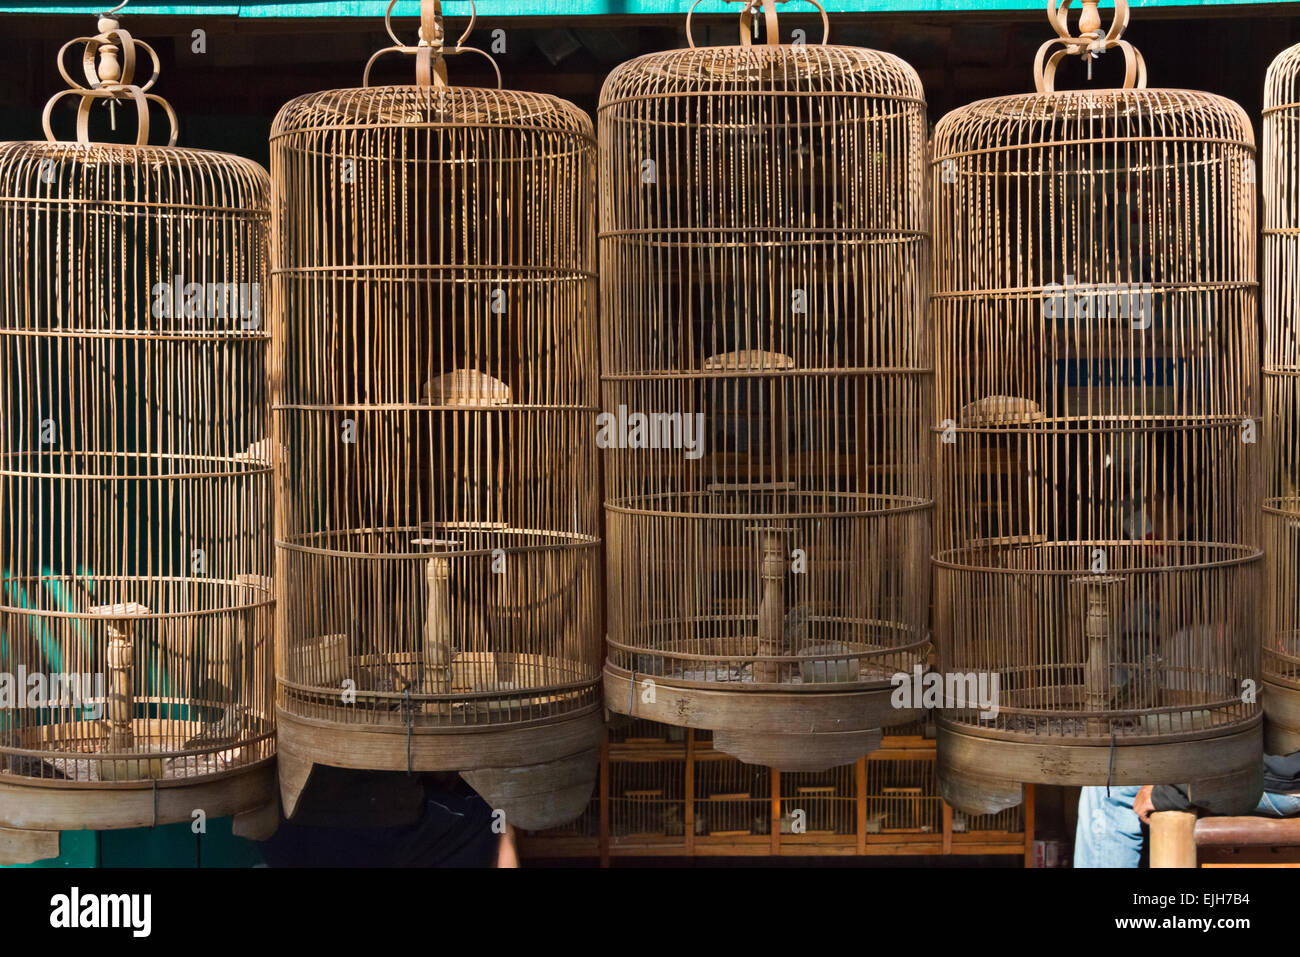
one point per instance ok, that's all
(110, 70)
(1089, 18)
(1090, 42)
(109, 78)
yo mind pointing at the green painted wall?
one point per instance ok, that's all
(533, 8)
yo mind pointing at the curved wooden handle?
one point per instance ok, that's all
(1135, 67)
(773, 30)
(103, 83)
(1090, 42)
(429, 51)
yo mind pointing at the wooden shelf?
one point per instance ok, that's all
(654, 785)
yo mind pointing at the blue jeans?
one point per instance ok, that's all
(1109, 834)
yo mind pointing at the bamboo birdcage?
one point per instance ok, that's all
(1281, 178)
(438, 519)
(763, 285)
(136, 548)
(1095, 337)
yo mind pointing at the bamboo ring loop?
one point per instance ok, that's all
(430, 23)
(1135, 68)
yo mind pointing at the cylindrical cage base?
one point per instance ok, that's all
(1281, 718)
(32, 814)
(794, 730)
(540, 774)
(966, 760)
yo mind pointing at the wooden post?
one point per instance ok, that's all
(120, 660)
(1096, 630)
(437, 627)
(688, 790)
(604, 799)
(776, 812)
(862, 804)
(435, 657)
(1173, 839)
(243, 656)
(771, 612)
(947, 827)
(1029, 796)
(121, 704)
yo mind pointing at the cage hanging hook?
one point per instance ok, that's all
(430, 51)
(748, 23)
(1088, 44)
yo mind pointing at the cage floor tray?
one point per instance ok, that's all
(73, 750)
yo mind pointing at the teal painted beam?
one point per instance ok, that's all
(170, 845)
(496, 9)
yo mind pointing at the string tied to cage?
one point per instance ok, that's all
(1089, 43)
(109, 62)
(431, 49)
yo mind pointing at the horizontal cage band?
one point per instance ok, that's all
(581, 412)
(1234, 555)
(890, 505)
(420, 273)
(1064, 427)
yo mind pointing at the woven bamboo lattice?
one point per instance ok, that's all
(1095, 336)
(135, 605)
(766, 374)
(437, 529)
(1281, 181)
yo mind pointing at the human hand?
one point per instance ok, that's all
(1142, 805)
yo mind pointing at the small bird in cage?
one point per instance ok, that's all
(225, 730)
(796, 627)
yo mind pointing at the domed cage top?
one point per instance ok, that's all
(1281, 247)
(437, 534)
(766, 391)
(1096, 357)
(135, 602)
